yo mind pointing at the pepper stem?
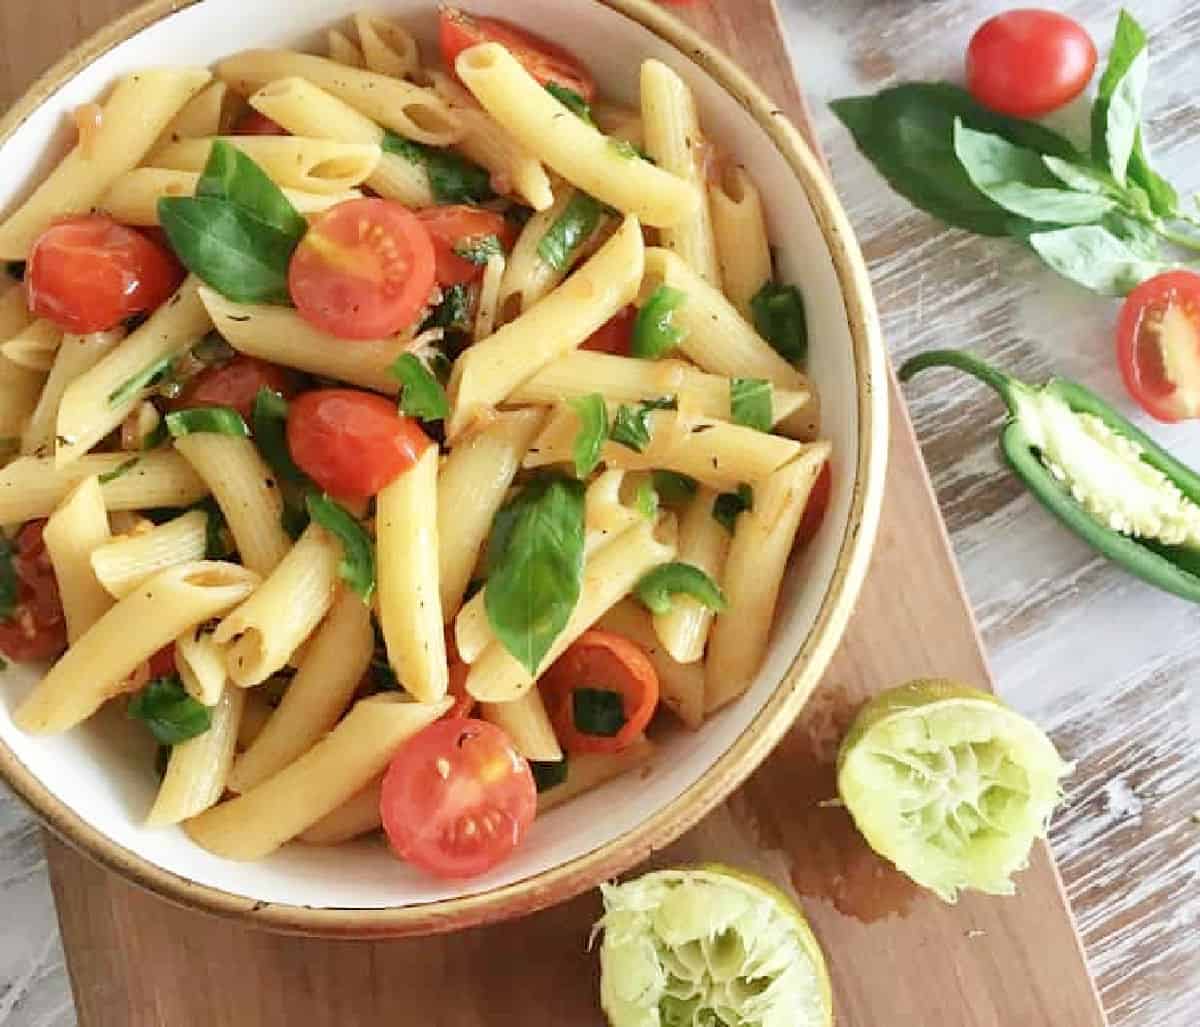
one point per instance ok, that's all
(1004, 384)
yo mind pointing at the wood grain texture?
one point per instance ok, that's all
(995, 962)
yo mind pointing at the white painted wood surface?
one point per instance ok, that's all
(1104, 662)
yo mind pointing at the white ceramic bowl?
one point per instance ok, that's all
(94, 784)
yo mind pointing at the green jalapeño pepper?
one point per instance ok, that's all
(1104, 479)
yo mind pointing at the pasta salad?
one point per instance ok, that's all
(401, 444)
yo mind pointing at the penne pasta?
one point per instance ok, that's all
(20, 389)
(76, 355)
(740, 229)
(95, 668)
(201, 665)
(256, 711)
(14, 307)
(344, 50)
(340, 765)
(590, 770)
(208, 113)
(527, 725)
(123, 563)
(34, 347)
(387, 47)
(489, 296)
(575, 149)
(357, 816)
(512, 167)
(72, 535)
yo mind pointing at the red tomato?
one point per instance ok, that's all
(464, 702)
(457, 798)
(1158, 345)
(363, 271)
(604, 661)
(234, 384)
(818, 504)
(455, 225)
(37, 629)
(545, 61)
(352, 443)
(615, 335)
(252, 123)
(1029, 62)
(162, 663)
(88, 274)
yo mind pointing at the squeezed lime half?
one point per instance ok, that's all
(709, 946)
(949, 784)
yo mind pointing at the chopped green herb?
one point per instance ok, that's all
(654, 332)
(162, 758)
(570, 99)
(357, 568)
(593, 432)
(645, 500)
(658, 586)
(624, 149)
(117, 471)
(548, 773)
(779, 318)
(169, 712)
(421, 394)
(598, 711)
(479, 249)
(214, 420)
(270, 416)
(294, 518)
(154, 439)
(674, 489)
(571, 229)
(455, 313)
(452, 178)
(231, 176)
(631, 425)
(750, 403)
(728, 505)
(150, 375)
(9, 587)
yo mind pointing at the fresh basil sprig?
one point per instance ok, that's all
(357, 568)
(729, 505)
(571, 229)
(593, 432)
(421, 394)
(535, 566)
(455, 312)
(779, 317)
(270, 416)
(631, 424)
(169, 712)
(453, 179)
(656, 587)
(655, 332)
(570, 99)
(751, 403)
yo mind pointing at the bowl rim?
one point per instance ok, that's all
(562, 882)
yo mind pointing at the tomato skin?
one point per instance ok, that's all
(602, 660)
(1029, 62)
(615, 335)
(452, 224)
(545, 61)
(457, 798)
(234, 384)
(1140, 340)
(162, 663)
(89, 273)
(37, 629)
(352, 443)
(253, 123)
(364, 270)
(817, 506)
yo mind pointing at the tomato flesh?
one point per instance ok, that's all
(603, 661)
(545, 61)
(364, 271)
(1158, 345)
(615, 335)
(352, 443)
(37, 629)
(457, 226)
(235, 385)
(1029, 62)
(88, 274)
(253, 123)
(464, 701)
(457, 798)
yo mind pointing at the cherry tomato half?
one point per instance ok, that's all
(363, 271)
(615, 335)
(1158, 345)
(458, 226)
(607, 662)
(234, 384)
(252, 123)
(457, 798)
(545, 61)
(352, 443)
(1029, 62)
(818, 504)
(37, 629)
(88, 274)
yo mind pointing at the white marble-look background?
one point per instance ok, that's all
(1106, 664)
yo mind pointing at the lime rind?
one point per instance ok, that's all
(709, 947)
(949, 785)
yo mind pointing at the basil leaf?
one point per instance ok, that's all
(169, 712)
(148, 376)
(157, 437)
(213, 349)
(217, 420)
(357, 568)
(9, 587)
(656, 587)
(1081, 177)
(294, 517)
(779, 317)
(1117, 110)
(270, 416)
(571, 229)
(1095, 258)
(232, 176)
(592, 434)
(421, 394)
(548, 773)
(243, 258)
(624, 149)
(1141, 239)
(645, 500)
(570, 99)
(728, 505)
(750, 403)
(218, 543)
(162, 759)
(117, 471)
(1017, 179)
(478, 250)
(654, 331)
(673, 488)
(455, 312)
(452, 178)
(631, 425)
(598, 711)
(907, 132)
(535, 567)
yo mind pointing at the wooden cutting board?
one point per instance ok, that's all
(898, 956)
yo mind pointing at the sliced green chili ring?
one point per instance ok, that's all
(217, 420)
